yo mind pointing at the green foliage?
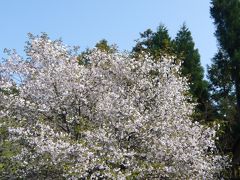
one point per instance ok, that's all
(222, 86)
(81, 127)
(224, 74)
(155, 43)
(103, 45)
(185, 50)
(191, 65)
(226, 15)
(8, 167)
(226, 18)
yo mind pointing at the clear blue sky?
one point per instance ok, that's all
(85, 22)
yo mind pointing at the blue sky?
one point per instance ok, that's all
(85, 22)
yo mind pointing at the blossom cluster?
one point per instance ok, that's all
(115, 116)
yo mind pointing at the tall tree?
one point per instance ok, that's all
(226, 15)
(221, 85)
(223, 97)
(184, 48)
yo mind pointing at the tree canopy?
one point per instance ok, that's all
(116, 117)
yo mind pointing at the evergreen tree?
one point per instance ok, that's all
(185, 50)
(221, 85)
(156, 43)
(223, 97)
(226, 15)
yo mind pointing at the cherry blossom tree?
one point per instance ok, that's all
(113, 117)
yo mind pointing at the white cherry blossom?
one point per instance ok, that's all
(113, 117)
